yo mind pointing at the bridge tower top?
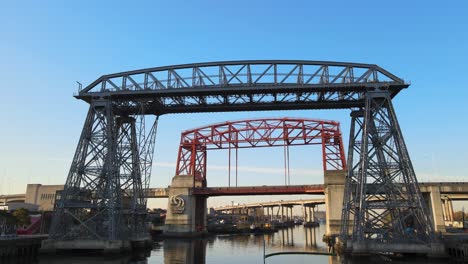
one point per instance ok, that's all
(250, 85)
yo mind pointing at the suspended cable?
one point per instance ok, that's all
(237, 157)
(229, 165)
(289, 172)
(285, 168)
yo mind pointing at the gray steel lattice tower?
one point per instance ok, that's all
(103, 198)
(382, 200)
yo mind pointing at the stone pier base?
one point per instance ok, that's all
(334, 181)
(186, 213)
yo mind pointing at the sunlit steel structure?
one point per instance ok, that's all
(103, 195)
(255, 133)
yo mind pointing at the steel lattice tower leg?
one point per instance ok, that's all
(104, 194)
(382, 201)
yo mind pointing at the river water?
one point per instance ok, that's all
(235, 249)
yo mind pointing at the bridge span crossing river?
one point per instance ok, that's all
(232, 249)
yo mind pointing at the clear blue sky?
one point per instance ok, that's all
(48, 45)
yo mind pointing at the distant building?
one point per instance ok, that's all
(14, 206)
(38, 197)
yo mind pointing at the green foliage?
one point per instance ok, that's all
(7, 218)
(22, 216)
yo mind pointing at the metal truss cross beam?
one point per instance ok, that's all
(242, 86)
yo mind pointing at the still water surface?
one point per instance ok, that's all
(235, 249)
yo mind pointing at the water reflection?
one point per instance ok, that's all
(245, 248)
(235, 249)
(134, 258)
(178, 251)
(310, 236)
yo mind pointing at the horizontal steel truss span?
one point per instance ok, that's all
(242, 86)
(252, 133)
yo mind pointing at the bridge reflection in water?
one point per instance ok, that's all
(235, 249)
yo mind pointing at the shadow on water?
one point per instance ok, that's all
(138, 257)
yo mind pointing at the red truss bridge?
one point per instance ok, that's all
(255, 133)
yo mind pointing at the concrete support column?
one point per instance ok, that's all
(292, 219)
(304, 213)
(334, 181)
(450, 211)
(186, 213)
(282, 213)
(444, 210)
(436, 209)
(312, 215)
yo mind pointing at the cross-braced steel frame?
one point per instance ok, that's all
(382, 201)
(252, 133)
(103, 195)
(243, 86)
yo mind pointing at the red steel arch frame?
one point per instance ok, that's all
(252, 133)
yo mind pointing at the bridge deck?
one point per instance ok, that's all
(260, 190)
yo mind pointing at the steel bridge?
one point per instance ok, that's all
(257, 133)
(241, 86)
(104, 198)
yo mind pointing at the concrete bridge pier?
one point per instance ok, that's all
(304, 213)
(334, 181)
(312, 213)
(282, 213)
(448, 209)
(289, 215)
(437, 208)
(186, 213)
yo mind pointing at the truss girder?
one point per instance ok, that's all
(243, 85)
(103, 197)
(253, 133)
(382, 200)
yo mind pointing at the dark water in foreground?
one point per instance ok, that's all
(235, 249)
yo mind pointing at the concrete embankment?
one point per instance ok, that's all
(456, 246)
(20, 246)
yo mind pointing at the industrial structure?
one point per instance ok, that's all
(284, 209)
(250, 133)
(103, 202)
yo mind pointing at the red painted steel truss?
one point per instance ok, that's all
(260, 190)
(253, 133)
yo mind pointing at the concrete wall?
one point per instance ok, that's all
(42, 195)
(189, 219)
(435, 207)
(334, 191)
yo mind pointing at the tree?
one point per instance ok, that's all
(458, 216)
(22, 216)
(7, 218)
